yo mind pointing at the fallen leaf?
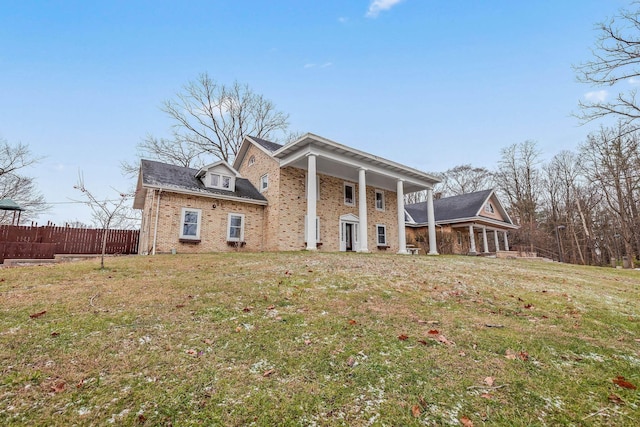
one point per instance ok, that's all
(36, 315)
(510, 354)
(415, 411)
(207, 341)
(444, 340)
(307, 342)
(352, 322)
(268, 373)
(58, 387)
(142, 419)
(403, 337)
(80, 384)
(621, 382)
(489, 381)
(271, 307)
(462, 353)
(55, 334)
(191, 352)
(466, 422)
(616, 399)
(179, 305)
(523, 355)
(423, 342)
(351, 361)
(433, 332)
(486, 396)
(247, 309)
(528, 306)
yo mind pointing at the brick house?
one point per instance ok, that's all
(462, 221)
(312, 194)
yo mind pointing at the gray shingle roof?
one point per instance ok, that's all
(167, 176)
(450, 208)
(267, 145)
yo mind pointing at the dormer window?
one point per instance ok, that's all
(220, 181)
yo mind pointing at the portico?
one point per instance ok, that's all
(372, 194)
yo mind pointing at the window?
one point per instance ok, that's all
(488, 208)
(220, 181)
(349, 191)
(459, 236)
(381, 233)
(235, 230)
(251, 161)
(264, 182)
(190, 223)
(380, 200)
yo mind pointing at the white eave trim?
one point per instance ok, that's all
(472, 220)
(208, 195)
(366, 159)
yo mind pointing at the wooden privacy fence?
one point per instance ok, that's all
(29, 242)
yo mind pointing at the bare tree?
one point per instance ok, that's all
(215, 118)
(616, 59)
(610, 159)
(174, 151)
(518, 179)
(108, 213)
(464, 179)
(14, 158)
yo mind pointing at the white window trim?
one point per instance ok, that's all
(264, 179)
(235, 239)
(353, 193)
(375, 200)
(385, 235)
(220, 180)
(198, 224)
(489, 208)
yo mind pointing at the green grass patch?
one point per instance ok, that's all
(318, 339)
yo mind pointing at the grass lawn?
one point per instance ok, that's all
(319, 339)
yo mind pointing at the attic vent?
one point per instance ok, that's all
(251, 161)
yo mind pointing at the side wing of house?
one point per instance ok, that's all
(186, 210)
(469, 223)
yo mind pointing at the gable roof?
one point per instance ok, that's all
(180, 179)
(464, 207)
(203, 170)
(9, 205)
(267, 145)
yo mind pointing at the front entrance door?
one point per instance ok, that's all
(348, 236)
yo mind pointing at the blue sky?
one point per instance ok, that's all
(431, 84)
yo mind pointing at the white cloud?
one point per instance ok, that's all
(343, 20)
(597, 96)
(326, 64)
(309, 65)
(378, 6)
(634, 81)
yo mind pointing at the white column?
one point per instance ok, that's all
(431, 220)
(506, 242)
(402, 239)
(311, 203)
(495, 237)
(362, 209)
(485, 243)
(472, 239)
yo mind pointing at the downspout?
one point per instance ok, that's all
(155, 228)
